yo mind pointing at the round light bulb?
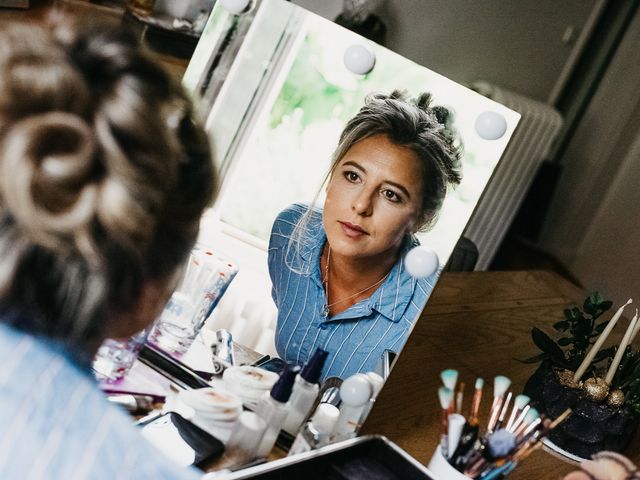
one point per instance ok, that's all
(356, 390)
(236, 7)
(421, 262)
(359, 59)
(491, 125)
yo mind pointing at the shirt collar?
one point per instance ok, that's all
(391, 299)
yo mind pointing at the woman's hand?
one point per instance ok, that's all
(606, 466)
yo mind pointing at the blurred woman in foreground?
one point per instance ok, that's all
(103, 179)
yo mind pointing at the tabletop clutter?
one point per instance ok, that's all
(205, 280)
(468, 449)
(250, 406)
(244, 406)
(570, 401)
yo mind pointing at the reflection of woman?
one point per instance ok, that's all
(338, 278)
(103, 179)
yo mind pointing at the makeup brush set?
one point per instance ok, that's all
(469, 449)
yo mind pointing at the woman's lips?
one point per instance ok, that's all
(351, 230)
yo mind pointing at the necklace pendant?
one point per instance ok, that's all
(325, 310)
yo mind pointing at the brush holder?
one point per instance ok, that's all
(442, 469)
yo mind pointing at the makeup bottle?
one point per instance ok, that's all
(244, 441)
(355, 394)
(273, 409)
(377, 383)
(317, 432)
(305, 392)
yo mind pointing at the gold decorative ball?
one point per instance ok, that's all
(565, 377)
(595, 389)
(615, 398)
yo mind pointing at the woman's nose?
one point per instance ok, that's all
(362, 203)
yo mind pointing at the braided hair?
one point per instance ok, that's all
(103, 176)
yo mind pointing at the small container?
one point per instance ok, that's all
(441, 468)
(214, 410)
(115, 358)
(377, 383)
(205, 281)
(273, 409)
(356, 393)
(245, 439)
(317, 432)
(305, 391)
(249, 383)
(174, 331)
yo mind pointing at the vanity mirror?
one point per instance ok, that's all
(275, 86)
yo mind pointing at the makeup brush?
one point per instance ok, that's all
(520, 418)
(503, 412)
(499, 445)
(459, 397)
(531, 416)
(475, 403)
(470, 431)
(519, 403)
(456, 424)
(500, 386)
(449, 379)
(445, 396)
(507, 468)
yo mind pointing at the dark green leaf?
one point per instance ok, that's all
(567, 314)
(601, 326)
(535, 359)
(604, 306)
(546, 344)
(561, 326)
(606, 353)
(563, 342)
(590, 306)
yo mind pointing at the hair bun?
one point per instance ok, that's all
(48, 173)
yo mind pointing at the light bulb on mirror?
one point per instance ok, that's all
(421, 262)
(236, 7)
(359, 58)
(356, 390)
(491, 125)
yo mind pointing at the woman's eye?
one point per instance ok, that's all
(391, 195)
(351, 176)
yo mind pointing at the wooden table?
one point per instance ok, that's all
(476, 323)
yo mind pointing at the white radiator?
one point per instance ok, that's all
(529, 146)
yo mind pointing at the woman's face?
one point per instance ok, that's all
(373, 199)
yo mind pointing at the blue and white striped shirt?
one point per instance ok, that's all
(355, 338)
(55, 423)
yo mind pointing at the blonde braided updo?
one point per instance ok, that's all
(103, 176)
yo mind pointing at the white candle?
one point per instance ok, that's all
(635, 331)
(596, 347)
(620, 352)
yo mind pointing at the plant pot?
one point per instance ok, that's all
(592, 427)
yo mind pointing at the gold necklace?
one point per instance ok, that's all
(327, 306)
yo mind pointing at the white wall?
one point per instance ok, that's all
(593, 225)
(514, 44)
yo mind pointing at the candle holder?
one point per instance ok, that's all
(600, 384)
